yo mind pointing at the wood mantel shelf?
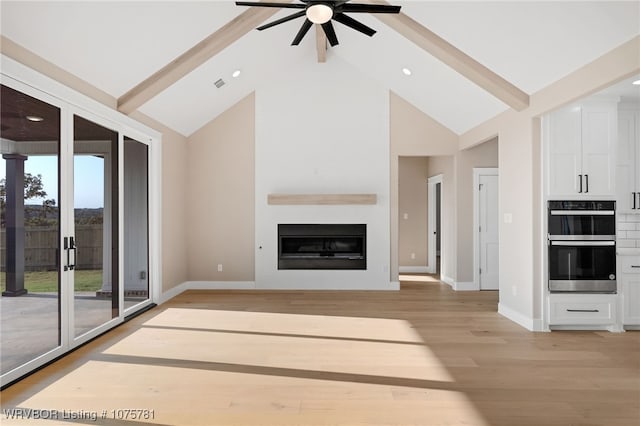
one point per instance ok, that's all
(320, 199)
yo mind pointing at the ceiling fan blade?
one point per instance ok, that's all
(369, 8)
(352, 23)
(330, 33)
(269, 4)
(304, 29)
(282, 20)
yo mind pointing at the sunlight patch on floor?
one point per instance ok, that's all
(297, 343)
(419, 278)
(289, 324)
(187, 396)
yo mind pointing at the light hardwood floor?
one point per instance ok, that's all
(422, 356)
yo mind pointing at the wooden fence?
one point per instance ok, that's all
(41, 251)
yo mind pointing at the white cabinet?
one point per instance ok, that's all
(569, 309)
(629, 281)
(628, 161)
(580, 141)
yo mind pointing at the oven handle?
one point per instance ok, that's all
(582, 243)
(582, 237)
(582, 212)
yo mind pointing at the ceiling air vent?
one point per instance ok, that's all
(219, 83)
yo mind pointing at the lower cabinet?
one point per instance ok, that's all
(629, 281)
(582, 309)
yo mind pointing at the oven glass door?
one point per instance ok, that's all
(582, 266)
(581, 223)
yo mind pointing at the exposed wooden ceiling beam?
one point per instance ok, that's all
(321, 44)
(455, 58)
(194, 57)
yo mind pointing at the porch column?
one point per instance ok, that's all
(14, 219)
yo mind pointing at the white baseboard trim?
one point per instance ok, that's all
(171, 293)
(414, 269)
(205, 285)
(538, 325)
(459, 285)
(517, 317)
(246, 285)
(326, 286)
(465, 286)
(448, 280)
(220, 285)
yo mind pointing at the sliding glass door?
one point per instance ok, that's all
(74, 226)
(30, 229)
(136, 223)
(94, 239)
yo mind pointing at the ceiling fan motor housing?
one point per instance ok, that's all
(322, 12)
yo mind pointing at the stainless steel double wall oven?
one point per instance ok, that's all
(582, 246)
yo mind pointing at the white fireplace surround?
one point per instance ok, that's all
(347, 154)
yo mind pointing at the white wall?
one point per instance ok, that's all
(322, 128)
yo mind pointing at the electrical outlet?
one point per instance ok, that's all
(413, 255)
(405, 216)
(514, 290)
(219, 267)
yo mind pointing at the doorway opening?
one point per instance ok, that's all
(435, 225)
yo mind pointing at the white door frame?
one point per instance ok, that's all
(477, 172)
(431, 222)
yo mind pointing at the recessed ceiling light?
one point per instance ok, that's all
(34, 118)
(235, 74)
(406, 71)
(637, 82)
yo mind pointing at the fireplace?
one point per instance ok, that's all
(322, 246)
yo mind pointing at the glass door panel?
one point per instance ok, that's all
(136, 222)
(94, 246)
(30, 228)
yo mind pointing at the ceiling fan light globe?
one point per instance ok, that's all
(319, 13)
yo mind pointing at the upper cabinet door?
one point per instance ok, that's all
(563, 135)
(627, 173)
(581, 142)
(599, 130)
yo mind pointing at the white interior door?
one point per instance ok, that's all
(488, 232)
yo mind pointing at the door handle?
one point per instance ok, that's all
(634, 201)
(65, 247)
(72, 247)
(586, 178)
(580, 179)
(583, 310)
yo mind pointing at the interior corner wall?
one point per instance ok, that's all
(412, 209)
(446, 166)
(174, 180)
(220, 194)
(483, 155)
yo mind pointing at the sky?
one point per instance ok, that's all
(88, 177)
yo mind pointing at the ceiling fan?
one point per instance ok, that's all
(322, 12)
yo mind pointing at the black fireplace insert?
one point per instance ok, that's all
(322, 246)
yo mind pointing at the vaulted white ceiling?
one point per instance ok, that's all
(116, 45)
